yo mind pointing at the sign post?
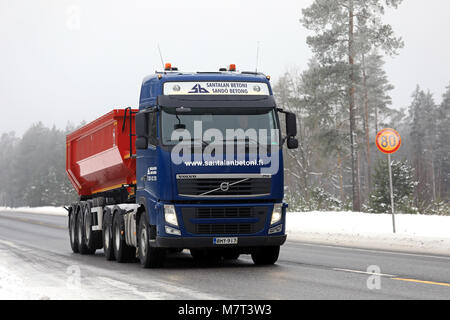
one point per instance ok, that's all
(389, 141)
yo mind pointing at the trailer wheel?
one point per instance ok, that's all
(93, 238)
(122, 251)
(266, 255)
(72, 229)
(107, 235)
(81, 237)
(149, 257)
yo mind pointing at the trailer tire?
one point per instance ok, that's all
(266, 255)
(72, 229)
(107, 235)
(122, 251)
(81, 237)
(149, 257)
(93, 238)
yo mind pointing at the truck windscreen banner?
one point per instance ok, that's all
(216, 88)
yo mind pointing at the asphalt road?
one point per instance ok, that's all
(37, 247)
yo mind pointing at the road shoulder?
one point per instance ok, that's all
(396, 243)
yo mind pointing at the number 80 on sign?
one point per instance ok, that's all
(388, 141)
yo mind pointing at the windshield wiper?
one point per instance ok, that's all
(247, 139)
(204, 143)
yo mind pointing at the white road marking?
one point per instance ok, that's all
(368, 250)
(364, 272)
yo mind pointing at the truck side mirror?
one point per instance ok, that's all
(291, 124)
(141, 124)
(291, 130)
(292, 143)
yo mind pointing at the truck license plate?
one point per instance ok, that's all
(225, 240)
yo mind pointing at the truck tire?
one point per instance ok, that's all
(122, 251)
(266, 255)
(72, 229)
(81, 237)
(93, 238)
(107, 235)
(149, 257)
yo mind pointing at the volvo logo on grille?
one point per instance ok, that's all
(225, 186)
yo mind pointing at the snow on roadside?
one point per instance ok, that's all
(414, 233)
(369, 224)
(58, 211)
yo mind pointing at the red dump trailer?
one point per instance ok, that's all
(99, 155)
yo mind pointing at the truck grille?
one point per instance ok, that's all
(230, 212)
(209, 228)
(192, 218)
(224, 186)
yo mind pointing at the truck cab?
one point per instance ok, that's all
(209, 164)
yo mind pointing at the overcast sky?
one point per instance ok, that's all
(75, 60)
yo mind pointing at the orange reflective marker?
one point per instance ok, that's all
(388, 141)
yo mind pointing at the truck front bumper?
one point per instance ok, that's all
(208, 242)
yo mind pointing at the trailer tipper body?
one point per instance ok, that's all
(199, 166)
(99, 155)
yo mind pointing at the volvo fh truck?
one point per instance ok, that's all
(198, 165)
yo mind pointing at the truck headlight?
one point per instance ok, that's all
(170, 215)
(276, 213)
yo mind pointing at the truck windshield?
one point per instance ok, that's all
(261, 121)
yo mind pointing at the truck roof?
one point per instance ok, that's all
(152, 85)
(207, 76)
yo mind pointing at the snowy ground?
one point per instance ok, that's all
(414, 233)
(39, 210)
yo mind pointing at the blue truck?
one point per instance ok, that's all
(198, 166)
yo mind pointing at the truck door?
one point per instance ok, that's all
(147, 160)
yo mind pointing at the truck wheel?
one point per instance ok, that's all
(93, 238)
(107, 236)
(81, 237)
(122, 251)
(149, 257)
(266, 255)
(72, 229)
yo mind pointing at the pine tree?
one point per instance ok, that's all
(403, 184)
(8, 143)
(422, 121)
(373, 96)
(442, 151)
(341, 29)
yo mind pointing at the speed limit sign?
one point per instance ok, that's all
(388, 141)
